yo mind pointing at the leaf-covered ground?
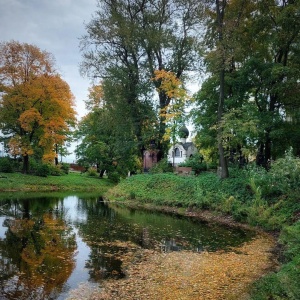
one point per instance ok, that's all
(186, 275)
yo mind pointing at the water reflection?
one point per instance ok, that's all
(49, 245)
(36, 254)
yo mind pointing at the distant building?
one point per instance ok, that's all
(150, 159)
(182, 150)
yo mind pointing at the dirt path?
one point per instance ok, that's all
(186, 275)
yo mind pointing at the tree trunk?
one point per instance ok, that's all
(56, 154)
(25, 164)
(268, 150)
(223, 166)
(162, 144)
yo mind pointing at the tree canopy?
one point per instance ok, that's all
(126, 42)
(36, 105)
(247, 51)
(259, 51)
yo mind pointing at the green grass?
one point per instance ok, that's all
(14, 182)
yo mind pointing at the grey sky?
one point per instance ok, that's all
(54, 26)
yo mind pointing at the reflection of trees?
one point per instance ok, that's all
(108, 237)
(28, 208)
(36, 256)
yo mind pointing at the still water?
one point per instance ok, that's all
(50, 245)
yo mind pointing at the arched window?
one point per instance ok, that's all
(177, 152)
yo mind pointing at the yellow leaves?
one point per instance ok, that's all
(186, 275)
(167, 134)
(49, 157)
(170, 84)
(30, 118)
(173, 88)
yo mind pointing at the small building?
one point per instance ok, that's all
(182, 150)
(149, 159)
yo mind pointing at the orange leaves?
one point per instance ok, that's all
(20, 63)
(170, 84)
(37, 105)
(30, 118)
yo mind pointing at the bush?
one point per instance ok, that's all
(163, 166)
(282, 179)
(114, 177)
(6, 165)
(196, 163)
(212, 165)
(42, 170)
(285, 173)
(55, 170)
(65, 168)
(290, 238)
(92, 172)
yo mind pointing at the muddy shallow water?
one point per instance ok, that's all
(52, 245)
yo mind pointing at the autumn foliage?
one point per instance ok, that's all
(36, 104)
(173, 112)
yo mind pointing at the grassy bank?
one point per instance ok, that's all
(17, 182)
(256, 198)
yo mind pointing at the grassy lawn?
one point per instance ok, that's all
(13, 182)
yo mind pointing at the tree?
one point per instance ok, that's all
(218, 63)
(272, 74)
(127, 41)
(220, 11)
(106, 134)
(96, 141)
(36, 104)
(259, 54)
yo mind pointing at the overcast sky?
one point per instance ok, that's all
(54, 26)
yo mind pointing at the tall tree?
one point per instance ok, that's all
(106, 134)
(220, 11)
(36, 105)
(260, 49)
(273, 73)
(129, 40)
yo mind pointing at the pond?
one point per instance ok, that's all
(49, 245)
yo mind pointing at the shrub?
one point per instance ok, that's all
(42, 170)
(196, 163)
(65, 168)
(92, 172)
(55, 170)
(163, 166)
(114, 176)
(212, 165)
(6, 165)
(282, 179)
(285, 173)
(290, 238)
